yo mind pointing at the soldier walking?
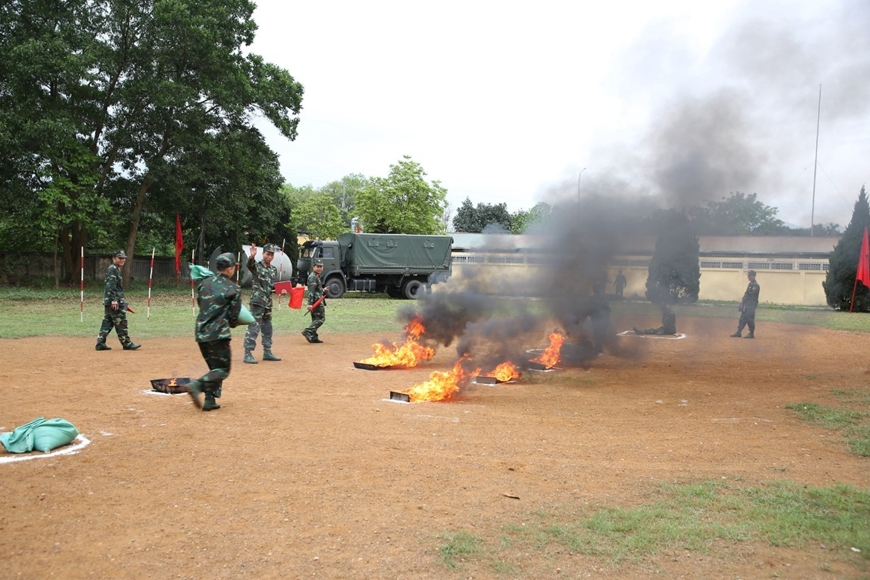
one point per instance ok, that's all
(220, 301)
(263, 284)
(747, 307)
(115, 306)
(315, 296)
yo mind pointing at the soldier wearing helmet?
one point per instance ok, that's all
(115, 306)
(263, 285)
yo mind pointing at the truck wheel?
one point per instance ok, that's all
(334, 287)
(413, 289)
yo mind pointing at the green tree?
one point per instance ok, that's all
(523, 221)
(738, 215)
(402, 203)
(674, 272)
(843, 262)
(343, 193)
(316, 215)
(102, 98)
(475, 219)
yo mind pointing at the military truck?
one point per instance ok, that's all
(401, 265)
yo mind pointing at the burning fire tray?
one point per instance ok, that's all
(535, 366)
(369, 367)
(164, 386)
(487, 381)
(397, 396)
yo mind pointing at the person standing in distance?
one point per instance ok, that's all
(619, 285)
(747, 307)
(315, 293)
(262, 286)
(115, 306)
(220, 302)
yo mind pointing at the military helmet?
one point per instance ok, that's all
(317, 263)
(271, 248)
(750, 273)
(225, 260)
(119, 254)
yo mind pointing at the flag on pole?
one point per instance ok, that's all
(863, 274)
(179, 244)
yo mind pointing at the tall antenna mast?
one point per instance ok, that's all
(816, 163)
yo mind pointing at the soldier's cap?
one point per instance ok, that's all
(119, 254)
(750, 273)
(317, 263)
(271, 248)
(225, 260)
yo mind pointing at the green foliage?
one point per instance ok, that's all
(843, 263)
(317, 215)
(343, 194)
(738, 215)
(402, 203)
(103, 103)
(484, 216)
(674, 273)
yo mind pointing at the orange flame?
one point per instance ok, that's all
(504, 372)
(406, 355)
(172, 383)
(441, 386)
(550, 356)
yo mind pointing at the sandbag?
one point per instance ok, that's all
(199, 272)
(41, 434)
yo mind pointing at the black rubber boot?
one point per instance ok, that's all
(267, 355)
(210, 403)
(249, 358)
(102, 346)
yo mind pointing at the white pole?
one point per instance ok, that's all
(82, 289)
(150, 278)
(192, 298)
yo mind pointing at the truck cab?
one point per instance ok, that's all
(328, 252)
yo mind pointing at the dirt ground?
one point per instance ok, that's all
(307, 471)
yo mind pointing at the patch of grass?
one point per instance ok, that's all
(459, 547)
(698, 517)
(854, 424)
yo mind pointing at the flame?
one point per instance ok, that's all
(172, 383)
(441, 386)
(550, 356)
(407, 355)
(504, 372)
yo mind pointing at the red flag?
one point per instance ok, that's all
(179, 244)
(863, 274)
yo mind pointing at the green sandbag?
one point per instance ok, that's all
(40, 434)
(245, 316)
(200, 272)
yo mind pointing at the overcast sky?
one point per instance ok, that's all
(680, 100)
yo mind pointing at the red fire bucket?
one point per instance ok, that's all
(296, 295)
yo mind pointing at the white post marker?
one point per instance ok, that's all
(150, 277)
(192, 299)
(239, 268)
(82, 289)
(281, 268)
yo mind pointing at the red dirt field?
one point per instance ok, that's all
(307, 471)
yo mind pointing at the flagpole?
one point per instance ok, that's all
(150, 278)
(816, 163)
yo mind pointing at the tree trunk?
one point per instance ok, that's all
(134, 226)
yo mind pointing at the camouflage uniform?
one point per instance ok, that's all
(114, 318)
(262, 287)
(669, 324)
(220, 302)
(318, 315)
(748, 306)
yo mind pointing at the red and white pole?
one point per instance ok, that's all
(192, 298)
(150, 278)
(239, 268)
(82, 289)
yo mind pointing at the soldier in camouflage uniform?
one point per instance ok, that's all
(669, 324)
(263, 284)
(115, 306)
(220, 301)
(747, 307)
(315, 293)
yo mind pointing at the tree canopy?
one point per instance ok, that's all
(102, 102)
(843, 263)
(403, 202)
